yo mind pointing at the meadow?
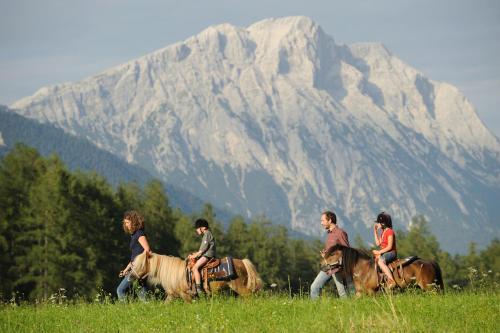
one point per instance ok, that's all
(466, 311)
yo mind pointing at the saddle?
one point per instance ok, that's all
(400, 263)
(214, 270)
(396, 268)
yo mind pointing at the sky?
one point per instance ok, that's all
(54, 41)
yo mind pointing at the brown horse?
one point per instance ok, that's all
(170, 272)
(426, 274)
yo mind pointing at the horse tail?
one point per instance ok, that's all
(254, 282)
(439, 276)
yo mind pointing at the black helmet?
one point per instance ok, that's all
(385, 219)
(200, 223)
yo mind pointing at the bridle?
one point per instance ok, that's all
(135, 272)
(327, 266)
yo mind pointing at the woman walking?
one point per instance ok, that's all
(133, 223)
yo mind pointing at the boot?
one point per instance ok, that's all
(199, 290)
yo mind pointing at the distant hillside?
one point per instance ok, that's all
(80, 154)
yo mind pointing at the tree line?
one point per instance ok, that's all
(63, 229)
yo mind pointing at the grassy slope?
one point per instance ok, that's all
(463, 312)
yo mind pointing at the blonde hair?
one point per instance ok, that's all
(136, 221)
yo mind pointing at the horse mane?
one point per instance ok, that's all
(168, 271)
(350, 256)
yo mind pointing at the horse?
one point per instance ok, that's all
(170, 272)
(426, 274)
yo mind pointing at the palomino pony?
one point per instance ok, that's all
(170, 272)
(426, 274)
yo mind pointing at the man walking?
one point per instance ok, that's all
(336, 235)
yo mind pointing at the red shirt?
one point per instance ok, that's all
(385, 239)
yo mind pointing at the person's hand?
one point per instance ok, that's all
(376, 226)
(376, 252)
(121, 274)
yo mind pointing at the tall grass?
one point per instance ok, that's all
(410, 312)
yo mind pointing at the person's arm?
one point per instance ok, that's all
(125, 270)
(375, 233)
(390, 242)
(144, 243)
(195, 255)
(343, 239)
(203, 248)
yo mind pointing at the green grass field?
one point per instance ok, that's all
(452, 312)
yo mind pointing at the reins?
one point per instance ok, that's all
(134, 271)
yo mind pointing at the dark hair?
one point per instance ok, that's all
(385, 219)
(201, 223)
(136, 221)
(330, 216)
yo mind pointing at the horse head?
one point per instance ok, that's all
(141, 266)
(332, 257)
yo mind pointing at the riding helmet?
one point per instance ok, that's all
(200, 223)
(385, 219)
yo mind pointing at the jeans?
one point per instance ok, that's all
(127, 281)
(389, 256)
(322, 278)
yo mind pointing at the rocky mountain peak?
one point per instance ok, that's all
(277, 119)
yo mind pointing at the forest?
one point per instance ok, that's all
(62, 230)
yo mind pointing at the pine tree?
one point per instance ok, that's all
(184, 231)
(237, 238)
(45, 220)
(359, 243)
(159, 219)
(130, 197)
(304, 262)
(19, 170)
(418, 240)
(96, 229)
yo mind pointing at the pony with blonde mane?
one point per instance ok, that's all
(170, 272)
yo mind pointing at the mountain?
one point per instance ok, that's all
(276, 119)
(80, 154)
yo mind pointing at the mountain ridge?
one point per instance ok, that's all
(277, 119)
(79, 154)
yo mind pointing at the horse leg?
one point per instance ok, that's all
(357, 285)
(169, 298)
(240, 288)
(216, 286)
(186, 296)
(426, 281)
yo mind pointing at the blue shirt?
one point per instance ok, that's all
(136, 247)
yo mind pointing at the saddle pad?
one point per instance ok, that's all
(223, 272)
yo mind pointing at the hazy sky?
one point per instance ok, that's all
(45, 42)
